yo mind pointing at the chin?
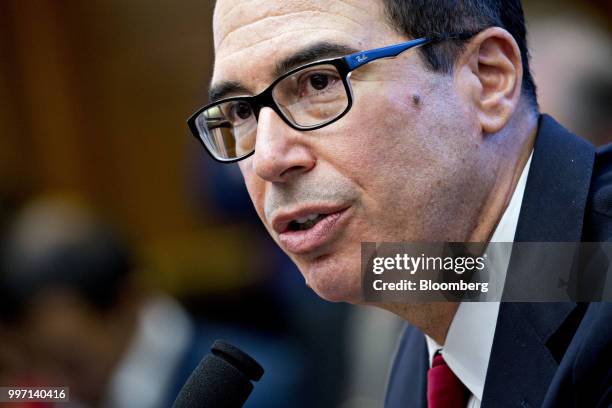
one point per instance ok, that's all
(333, 280)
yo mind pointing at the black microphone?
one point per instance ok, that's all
(221, 380)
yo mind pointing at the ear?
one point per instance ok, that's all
(490, 73)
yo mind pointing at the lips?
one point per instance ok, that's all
(308, 228)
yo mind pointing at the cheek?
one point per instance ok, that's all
(378, 137)
(409, 130)
(403, 148)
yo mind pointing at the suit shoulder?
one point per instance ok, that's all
(601, 184)
(592, 368)
(599, 207)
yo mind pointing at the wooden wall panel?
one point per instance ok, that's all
(95, 96)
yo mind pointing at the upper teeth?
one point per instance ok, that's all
(310, 217)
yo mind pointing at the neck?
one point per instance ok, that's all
(434, 319)
(513, 155)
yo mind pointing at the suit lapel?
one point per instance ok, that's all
(521, 365)
(407, 386)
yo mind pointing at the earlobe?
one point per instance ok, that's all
(494, 59)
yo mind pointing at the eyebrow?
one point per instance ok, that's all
(312, 53)
(225, 88)
(318, 51)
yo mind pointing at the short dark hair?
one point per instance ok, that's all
(425, 18)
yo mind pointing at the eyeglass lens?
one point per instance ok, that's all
(310, 97)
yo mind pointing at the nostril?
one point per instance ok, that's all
(292, 169)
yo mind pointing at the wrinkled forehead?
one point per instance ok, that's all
(250, 36)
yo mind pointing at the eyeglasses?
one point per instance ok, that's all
(306, 98)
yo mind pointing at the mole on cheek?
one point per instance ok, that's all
(416, 100)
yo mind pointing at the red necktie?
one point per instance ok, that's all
(444, 390)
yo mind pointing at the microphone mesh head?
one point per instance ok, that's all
(238, 358)
(221, 380)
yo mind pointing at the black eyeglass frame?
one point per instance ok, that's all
(344, 65)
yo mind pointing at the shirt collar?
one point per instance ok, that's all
(470, 336)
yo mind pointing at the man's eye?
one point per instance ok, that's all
(240, 111)
(317, 83)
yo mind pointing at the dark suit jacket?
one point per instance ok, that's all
(543, 354)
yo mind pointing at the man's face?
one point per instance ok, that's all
(404, 164)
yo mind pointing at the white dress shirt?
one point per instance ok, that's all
(470, 337)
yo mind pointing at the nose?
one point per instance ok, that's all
(280, 153)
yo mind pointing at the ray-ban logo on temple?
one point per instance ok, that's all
(305, 98)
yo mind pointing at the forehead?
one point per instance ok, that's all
(251, 35)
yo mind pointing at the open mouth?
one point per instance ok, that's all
(310, 230)
(304, 223)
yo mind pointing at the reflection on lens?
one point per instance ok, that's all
(228, 129)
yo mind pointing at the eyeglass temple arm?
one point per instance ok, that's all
(358, 59)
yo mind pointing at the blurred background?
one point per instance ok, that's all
(127, 250)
